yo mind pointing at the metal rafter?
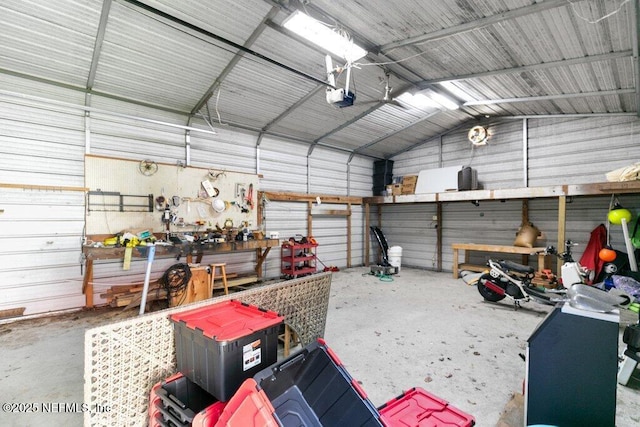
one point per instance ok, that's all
(344, 125)
(234, 61)
(550, 97)
(414, 146)
(97, 47)
(475, 24)
(533, 67)
(392, 133)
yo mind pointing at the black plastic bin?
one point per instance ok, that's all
(221, 345)
(179, 401)
(311, 388)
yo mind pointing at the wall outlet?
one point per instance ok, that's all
(434, 218)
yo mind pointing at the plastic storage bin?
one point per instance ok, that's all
(248, 407)
(417, 407)
(312, 388)
(221, 345)
(177, 401)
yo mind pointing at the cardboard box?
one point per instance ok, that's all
(396, 190)
(409, 184)
(409, 179)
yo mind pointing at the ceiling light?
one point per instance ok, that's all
(457, 91)
(416, 101)
(322, 35)
(444, 101)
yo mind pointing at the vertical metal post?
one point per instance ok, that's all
(145, 289)
(635, 40)
(525, 152)
(87, 124)
(308, 176)
(187, 148)
(349, 178)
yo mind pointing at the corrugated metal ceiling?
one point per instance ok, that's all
(511, 57)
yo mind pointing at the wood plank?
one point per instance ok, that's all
(331, 212)
(367, 224)
(282, 196)
(12, 312)
(562, 223)
(43, 187)
(349, 236)
(472, 267)
(497, 248)
(239, 281)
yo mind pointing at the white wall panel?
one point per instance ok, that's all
(284, 166)
(410, 227)
(360, 176)
(40, 241)
(328, 172)
(288, 219)
(42, 150)
(578, 151)
(227, 150)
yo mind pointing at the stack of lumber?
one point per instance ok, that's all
(124, 295)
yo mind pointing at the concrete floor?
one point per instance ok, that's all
(424, 329)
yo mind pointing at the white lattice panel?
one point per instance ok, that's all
(124, 360)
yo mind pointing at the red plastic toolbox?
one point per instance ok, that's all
(311, 388)
(221, 345)
(249, 407)
(417, 407)
(177, 401)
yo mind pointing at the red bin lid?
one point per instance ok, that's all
(419, 408)
(229, 320)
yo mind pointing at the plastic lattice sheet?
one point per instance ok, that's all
(124, 360)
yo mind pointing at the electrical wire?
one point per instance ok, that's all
(595, 21)
(175, 281)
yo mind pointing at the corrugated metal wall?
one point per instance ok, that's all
(42, 150)
(286, 168)
(559, 151)
(44, 144)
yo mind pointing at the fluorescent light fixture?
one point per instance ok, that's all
(416, 101)
(322, 35)
(444, 101)
(457, 91)
(427, 99)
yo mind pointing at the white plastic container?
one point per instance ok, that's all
(394, 253)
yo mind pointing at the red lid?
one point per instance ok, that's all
(417, 407)
(229, 320)
(248, 407)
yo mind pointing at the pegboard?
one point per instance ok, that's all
(130, 195)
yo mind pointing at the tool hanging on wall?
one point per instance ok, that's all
(250, 196)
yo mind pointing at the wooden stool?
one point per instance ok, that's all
(223, 272)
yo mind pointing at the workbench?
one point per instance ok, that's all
(470, 247)
(192, 251)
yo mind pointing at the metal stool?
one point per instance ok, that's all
(223, 272)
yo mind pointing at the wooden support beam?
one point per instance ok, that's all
(525, 220)
(349, 235)
(562, 217)
(439, 236)
(280, 196)
(43, 187)
(309, 219)
(367, 225)
(332, 212)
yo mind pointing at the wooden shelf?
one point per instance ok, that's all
(594, 189)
